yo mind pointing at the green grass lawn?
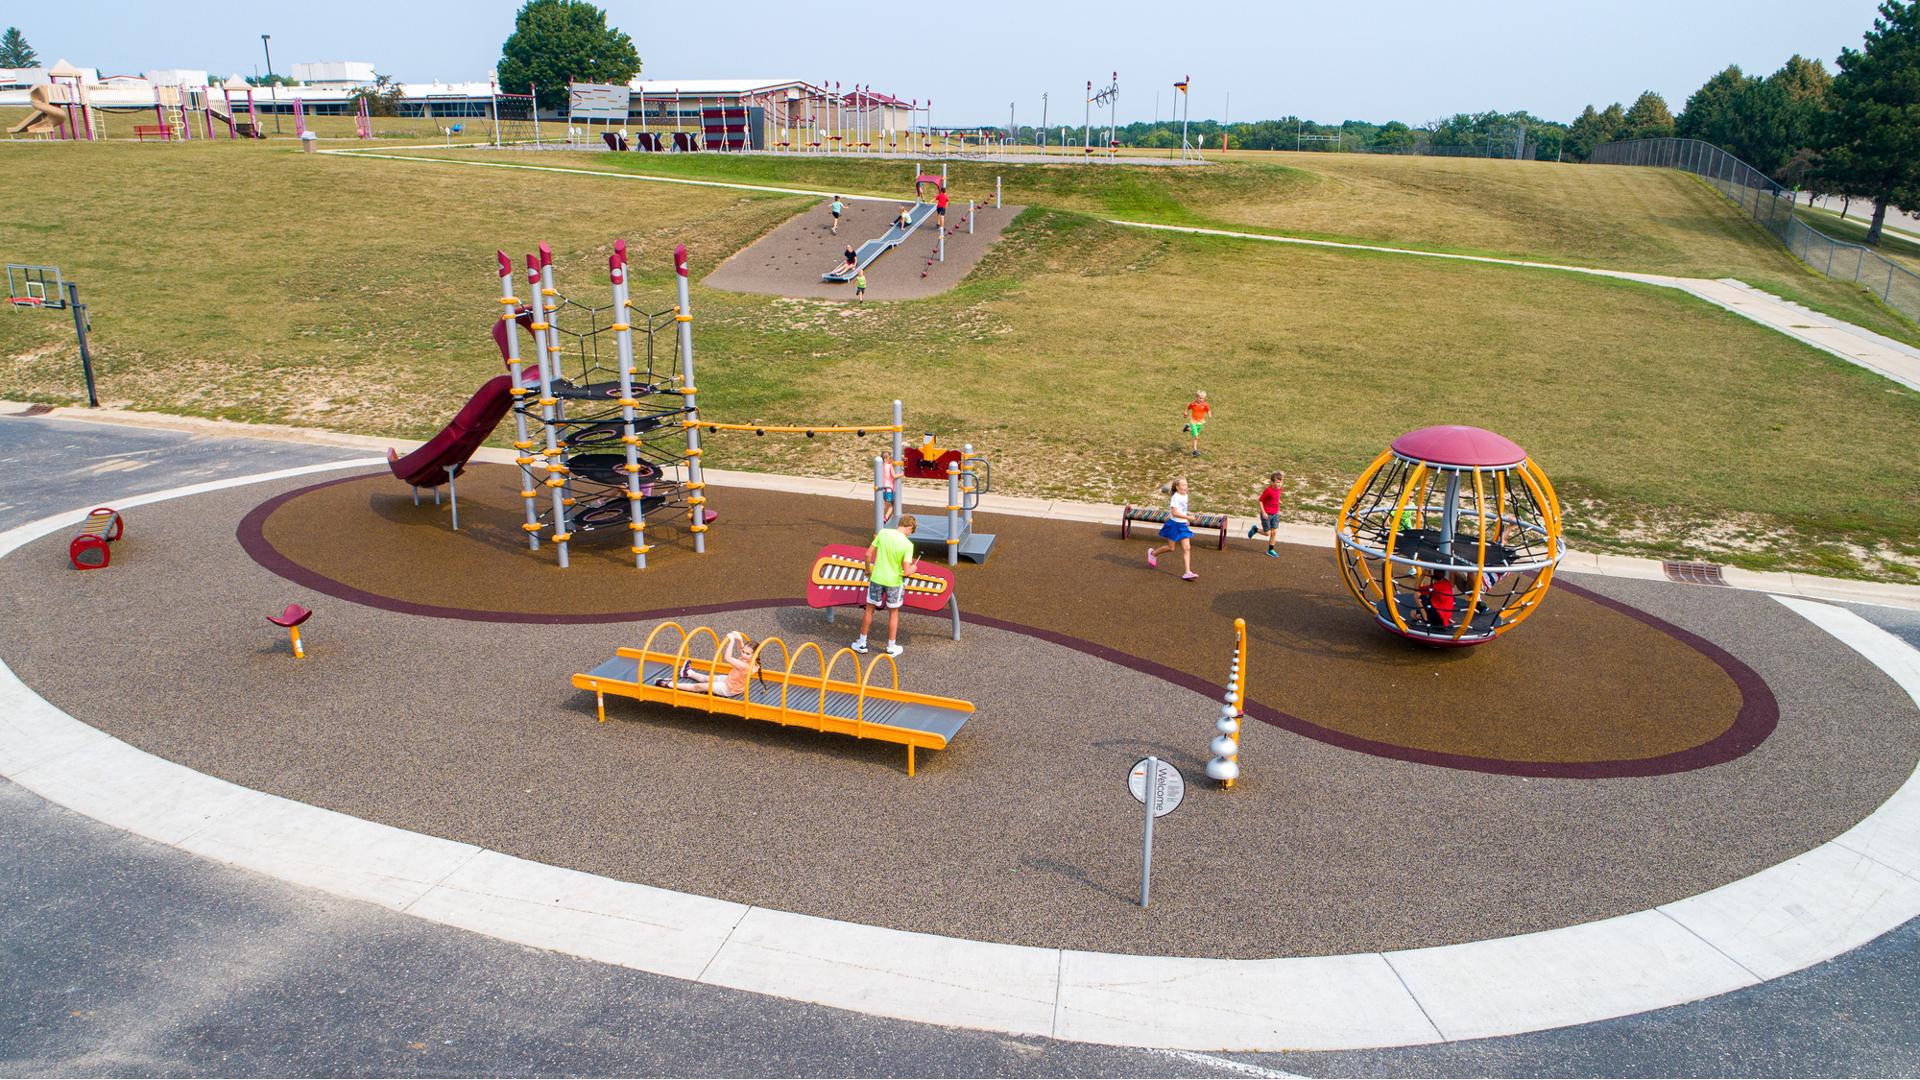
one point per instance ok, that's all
(1657, 221)
(247, 281)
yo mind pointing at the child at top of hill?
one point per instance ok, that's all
(1198, 412)
(1270, 497)
(836, 206)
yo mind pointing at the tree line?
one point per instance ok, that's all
(1853, 132)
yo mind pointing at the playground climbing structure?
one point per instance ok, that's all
(597, 413)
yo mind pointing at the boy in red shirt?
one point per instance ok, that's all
(940, 207)
(1197, 413)
(1270, 511)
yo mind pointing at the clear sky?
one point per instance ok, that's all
(1328, 61)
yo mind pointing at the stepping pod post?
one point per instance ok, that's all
(1224, 766)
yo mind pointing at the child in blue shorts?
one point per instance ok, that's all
(1177, 530)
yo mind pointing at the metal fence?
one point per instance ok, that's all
(1773, 207)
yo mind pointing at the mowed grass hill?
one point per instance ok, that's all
(249, 282)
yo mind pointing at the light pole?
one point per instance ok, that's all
(1043, 124)
(266, 44)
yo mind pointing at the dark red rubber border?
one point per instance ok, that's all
(1759, 711)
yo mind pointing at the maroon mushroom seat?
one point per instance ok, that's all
(292, 617)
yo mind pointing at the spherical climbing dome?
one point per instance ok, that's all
(1450, 537)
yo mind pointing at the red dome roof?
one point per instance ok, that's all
(1454, 444)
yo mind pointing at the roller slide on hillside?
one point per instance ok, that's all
(875, 248)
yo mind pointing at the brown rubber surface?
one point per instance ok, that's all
(1581, 683)
(789, 260)
(1021, 831)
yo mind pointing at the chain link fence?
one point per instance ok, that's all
(1773, 207)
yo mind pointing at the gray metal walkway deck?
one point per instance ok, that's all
(864, 255)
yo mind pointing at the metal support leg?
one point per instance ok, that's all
(453, 494)
(953, 605)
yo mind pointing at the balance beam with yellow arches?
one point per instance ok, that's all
(784, 696)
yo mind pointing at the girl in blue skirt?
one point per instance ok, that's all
(1177, 530)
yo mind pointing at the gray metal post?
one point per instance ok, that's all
(523, 446)
(696, 477)
(899, 456)
(970, 213)
(996, 193)
(453, 493)
(540, 281)
(80, 334)
(941, 250)
(623, 341)
(1146, 835)
(953, 513)
(1450, 513)
(966, 506)
(879, 499)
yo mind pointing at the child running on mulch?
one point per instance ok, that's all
(1270, 511)
(1177, 530)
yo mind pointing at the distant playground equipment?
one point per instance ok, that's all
(1155, 515)
(1450, 537)
(31, 286)
(839, 579)
(784, 696)
(89, 549)
(1224, 766)
(968, 476)
(896, 233)
(290, 620)
(223, 111)
(49, 113)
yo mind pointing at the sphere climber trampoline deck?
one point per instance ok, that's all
(1647, 772)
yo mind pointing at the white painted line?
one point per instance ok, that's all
(1300, 1003)
(1226, 1065)
(1805, 910)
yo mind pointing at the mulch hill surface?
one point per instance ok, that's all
(789, 260)
(1022, 831)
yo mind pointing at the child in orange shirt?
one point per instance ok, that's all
(1197, 413)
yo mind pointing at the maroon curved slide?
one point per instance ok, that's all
(427, 466)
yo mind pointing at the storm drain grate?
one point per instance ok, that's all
(1694, 573)
(35, 410)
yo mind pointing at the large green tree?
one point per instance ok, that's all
(1804, 87)
(15, 52)
(555, 42)
(1590, 129)
(1648, 118)
(1871, 138)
